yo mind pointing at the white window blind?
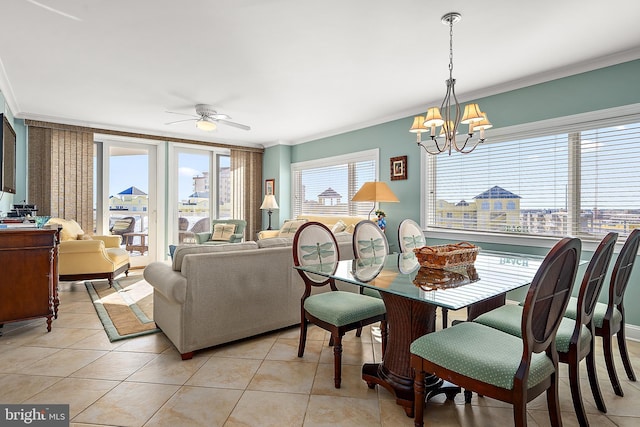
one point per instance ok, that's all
(582, 183)
(326, 187)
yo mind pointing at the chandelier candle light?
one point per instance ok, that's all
(450, 108)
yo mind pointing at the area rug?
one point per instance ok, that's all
(126, 309)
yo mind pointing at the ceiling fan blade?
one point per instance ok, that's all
(219, 116)
(182, 114)
(51, 9)
(234, 124)
(180, 121)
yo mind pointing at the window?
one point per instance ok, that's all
(580, 182)
(325, 187)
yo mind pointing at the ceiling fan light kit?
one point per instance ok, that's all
(206, 124)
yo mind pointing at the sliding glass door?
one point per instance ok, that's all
(200, 192)
(126, 202)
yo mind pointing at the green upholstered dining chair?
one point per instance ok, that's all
(370, 245)
(575, 337)
(500, 365)
(608, 319)
(410, 236)
(335, 311)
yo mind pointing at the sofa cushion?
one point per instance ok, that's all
(343, 237)
(183, 250)
(275, 242)
(222, 231)
(289, 228)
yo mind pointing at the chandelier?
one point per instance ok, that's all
(445, 140)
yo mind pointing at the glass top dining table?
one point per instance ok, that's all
(412, 293)
(492, 274)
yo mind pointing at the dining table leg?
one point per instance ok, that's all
(407, 320)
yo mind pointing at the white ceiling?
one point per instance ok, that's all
(293, 70)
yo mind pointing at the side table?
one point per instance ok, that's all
(131, 244)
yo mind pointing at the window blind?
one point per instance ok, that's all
(326, 187)
(580, 183)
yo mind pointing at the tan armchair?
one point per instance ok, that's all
(81, 256)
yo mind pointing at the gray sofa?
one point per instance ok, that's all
(212, 295)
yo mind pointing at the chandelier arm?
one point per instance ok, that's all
(434, 153)
(462, 149)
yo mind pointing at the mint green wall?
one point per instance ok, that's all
(280, 157)
(591, 91)
(7, 199)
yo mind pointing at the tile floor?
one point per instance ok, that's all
(257, 382)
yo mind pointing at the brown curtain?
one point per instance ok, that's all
(61, 174)
(246, 189)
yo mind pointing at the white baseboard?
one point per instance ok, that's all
(632, 332)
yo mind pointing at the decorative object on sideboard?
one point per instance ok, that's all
(398, 167)
(476, 119)
(374, 191)
(269, 203)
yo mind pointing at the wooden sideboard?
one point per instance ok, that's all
(28, 274)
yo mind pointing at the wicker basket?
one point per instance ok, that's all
(443, 256)
(430, 279)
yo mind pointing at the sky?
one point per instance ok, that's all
(127, 171)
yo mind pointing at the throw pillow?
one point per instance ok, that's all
(338, 227)
(350, 228)
(222, 232)
(289, 228)
(70, 228)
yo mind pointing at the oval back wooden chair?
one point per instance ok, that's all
(608, 318)
(410, 236)
(370, 246)
(500, 365)
(575, 338)
(335, 311)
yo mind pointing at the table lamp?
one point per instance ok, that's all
(374, 191)
(269, 203)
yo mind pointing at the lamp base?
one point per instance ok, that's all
(269, 212)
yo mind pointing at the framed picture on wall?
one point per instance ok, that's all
(269, 186)
(398, 168)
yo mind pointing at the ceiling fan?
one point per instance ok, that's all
(208, 118)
